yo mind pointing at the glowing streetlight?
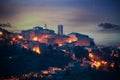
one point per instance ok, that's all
(36, 49)
(1, 33)
(35, 39)
(20, 37)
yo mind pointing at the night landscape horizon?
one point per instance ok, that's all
(59, 40)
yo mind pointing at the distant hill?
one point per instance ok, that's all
(16, 60)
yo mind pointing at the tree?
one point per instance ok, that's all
(80, 52)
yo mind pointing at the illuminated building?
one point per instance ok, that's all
(49, 37)
(60, 29)
(81, 39)
(38, 28)
(47, 31)
(28, 34)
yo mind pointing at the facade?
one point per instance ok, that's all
(81, 39)
(49, 37)
(28, 34)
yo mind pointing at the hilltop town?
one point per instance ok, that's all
(40, 53)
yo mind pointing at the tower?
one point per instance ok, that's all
(60, 29)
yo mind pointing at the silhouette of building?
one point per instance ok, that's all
(60, 29)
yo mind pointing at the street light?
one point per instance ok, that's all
(1, 33)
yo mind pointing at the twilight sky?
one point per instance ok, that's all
(81, 16)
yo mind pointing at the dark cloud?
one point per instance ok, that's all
(8, 10)
(6, 25)
(99, 7)
(89, 11)
(109, 27)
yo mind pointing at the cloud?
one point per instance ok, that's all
(6, 25)
(8, 11)
(72, 13)
(109, 27)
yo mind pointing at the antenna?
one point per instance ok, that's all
(45, 26)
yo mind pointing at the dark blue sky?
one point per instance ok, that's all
(76, 15)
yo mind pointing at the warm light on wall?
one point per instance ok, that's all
(36, 49)
(96, 64)
(35, 39)
(91, 55)
(55, 68)
(25, 46)
(20, 37)
(45, 72)
(13, 39)
(1, 33)
(59, 44)
(112, 65)
(69, 41)
(104, 62)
